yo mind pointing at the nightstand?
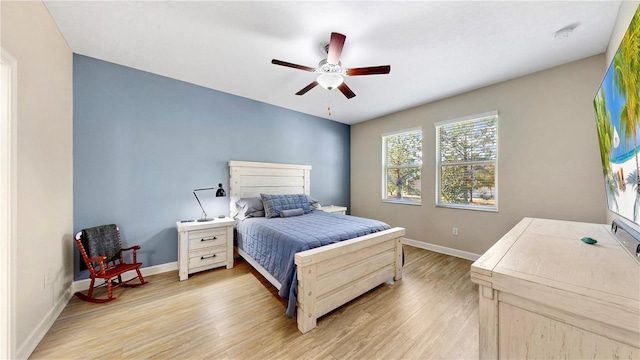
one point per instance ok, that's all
(334, 209)
(204, 245)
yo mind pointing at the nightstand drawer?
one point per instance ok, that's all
(206, 238)
(206, 233)
(212, 256)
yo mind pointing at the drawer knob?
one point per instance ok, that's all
(214, 238)
(207, 257)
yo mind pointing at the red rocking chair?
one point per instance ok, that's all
(101, 249)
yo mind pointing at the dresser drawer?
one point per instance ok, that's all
(208, 257)
(207, 238)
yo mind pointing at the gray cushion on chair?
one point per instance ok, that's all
(102, 241)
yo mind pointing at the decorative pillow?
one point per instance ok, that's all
(273, 204)
(313, 203)
(249, 207)
(292, 212)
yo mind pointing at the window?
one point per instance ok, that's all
(402, 166)
(467, 162)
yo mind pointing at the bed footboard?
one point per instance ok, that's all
(332, 275)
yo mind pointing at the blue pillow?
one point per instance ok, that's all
(274, 204)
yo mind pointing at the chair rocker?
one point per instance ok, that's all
(101, 249)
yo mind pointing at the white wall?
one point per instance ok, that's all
(549, 163)
(44, 169)
(625, 14)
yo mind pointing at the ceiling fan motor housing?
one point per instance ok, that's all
(325, 67)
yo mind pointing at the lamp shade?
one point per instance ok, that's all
(220, 192)
(330, 81)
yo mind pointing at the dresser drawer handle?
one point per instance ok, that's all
(214, 238)
(207, 257)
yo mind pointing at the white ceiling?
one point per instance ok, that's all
(436, 49)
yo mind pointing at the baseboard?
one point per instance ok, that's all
(40, 331)
(441, 249)
(84, 284)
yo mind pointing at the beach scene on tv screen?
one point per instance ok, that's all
(617, 108)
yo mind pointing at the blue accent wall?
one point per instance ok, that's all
(142, 142)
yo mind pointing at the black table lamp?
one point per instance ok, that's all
(219, 193)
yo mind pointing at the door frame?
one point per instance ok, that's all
(8, 192)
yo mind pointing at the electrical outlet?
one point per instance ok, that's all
(455, 231)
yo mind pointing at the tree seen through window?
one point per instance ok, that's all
(467, 160)
(403, 165)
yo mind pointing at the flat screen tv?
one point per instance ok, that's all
(617, 107)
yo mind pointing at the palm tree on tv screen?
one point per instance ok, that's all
(625, 79)
(605, 136)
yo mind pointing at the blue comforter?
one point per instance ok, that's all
(273, 242)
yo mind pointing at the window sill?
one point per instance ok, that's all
(467, 207)
(403, 202)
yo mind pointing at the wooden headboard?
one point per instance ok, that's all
(250, 179)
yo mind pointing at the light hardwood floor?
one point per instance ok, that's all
(432, 313)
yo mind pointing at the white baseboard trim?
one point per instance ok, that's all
(84, 284)
(40, 331)
(441, 249)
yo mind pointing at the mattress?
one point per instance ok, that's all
(273, 242)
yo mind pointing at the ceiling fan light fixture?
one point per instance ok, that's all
(330, 81)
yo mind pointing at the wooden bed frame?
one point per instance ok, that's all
(328, 276)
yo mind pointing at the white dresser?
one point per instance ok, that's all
(546, 294)
(204, 245)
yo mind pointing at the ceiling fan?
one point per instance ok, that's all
(331, 71)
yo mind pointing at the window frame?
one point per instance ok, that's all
(439, 164)
(385, 168)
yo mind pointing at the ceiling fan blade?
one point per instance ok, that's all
(295, 66)
(372, 70)
(307, 88)
(335, 48)
(346, 91)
